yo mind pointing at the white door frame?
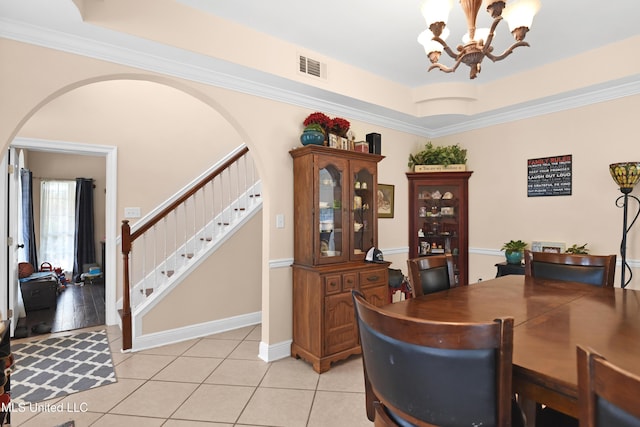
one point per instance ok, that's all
(11, 238)
(111, 235)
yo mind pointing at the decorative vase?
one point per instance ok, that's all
(514, 257)
(312, 137)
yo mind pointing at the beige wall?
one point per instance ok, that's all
(165, 137)
(210, 35)
(165, 162)
(157, 153)
(500, 210)
(226, 285)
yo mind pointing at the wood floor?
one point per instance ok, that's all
(77, 307)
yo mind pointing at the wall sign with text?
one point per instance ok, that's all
(549, 176)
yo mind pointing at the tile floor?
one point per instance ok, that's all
(213, 381)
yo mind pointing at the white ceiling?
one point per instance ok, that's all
(375, 35)
(380, 35)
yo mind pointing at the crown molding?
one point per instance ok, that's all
(155, 57)
(567, 101)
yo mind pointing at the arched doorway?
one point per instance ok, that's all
(159, 135)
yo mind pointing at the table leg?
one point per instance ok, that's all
(529, 408)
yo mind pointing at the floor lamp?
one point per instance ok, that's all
(626, 176)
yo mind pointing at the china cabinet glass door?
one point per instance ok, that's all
(437, 217)
(331, 217)
(363, 205)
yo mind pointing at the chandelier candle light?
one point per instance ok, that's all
(626, 175)
(477, 42)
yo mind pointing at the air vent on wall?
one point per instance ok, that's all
(312, 67)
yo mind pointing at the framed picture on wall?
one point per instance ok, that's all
(385, 200)
(554, 247)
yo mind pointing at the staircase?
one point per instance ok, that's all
(161, 250)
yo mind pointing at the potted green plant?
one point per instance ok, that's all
(314, 127)
(577, 250)
(434, 158)
(514, 251)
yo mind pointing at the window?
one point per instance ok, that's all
(57, 223)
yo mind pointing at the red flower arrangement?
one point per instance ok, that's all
(318, 119)
(336, 125)
(340, 126)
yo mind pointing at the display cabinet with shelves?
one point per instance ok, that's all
(335, 218)
(439, 217)
(335, 223)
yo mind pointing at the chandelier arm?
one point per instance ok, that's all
(444, 68)
(506, 52)
(446, 47)
(441, 67)
(492, 32)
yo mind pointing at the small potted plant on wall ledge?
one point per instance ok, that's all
(577, 250)
(451, 158)
(514, 251)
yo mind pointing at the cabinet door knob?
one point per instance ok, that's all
(373, 278)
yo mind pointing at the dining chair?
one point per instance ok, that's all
(426, 373)
(607, 395)
(430, 274)
(598, 270)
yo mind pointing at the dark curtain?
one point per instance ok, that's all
(84, 244)
(28, 229)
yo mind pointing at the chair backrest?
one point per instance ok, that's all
(607, 395)
(598, 270)
(437, 373)
(431, 274)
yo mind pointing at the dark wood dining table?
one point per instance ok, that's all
(551, 318)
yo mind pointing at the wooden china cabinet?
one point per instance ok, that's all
(335, 223)
(439, 217)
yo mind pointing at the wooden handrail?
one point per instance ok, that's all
(164, 212)
(128, 238)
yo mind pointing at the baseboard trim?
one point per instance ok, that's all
(172, 336)
(270, 353)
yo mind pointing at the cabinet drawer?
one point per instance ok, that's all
(332, 284)
(373, 278)
(349, 281)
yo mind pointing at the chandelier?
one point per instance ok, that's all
(477, 42)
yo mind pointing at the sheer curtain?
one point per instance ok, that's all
(57, 223)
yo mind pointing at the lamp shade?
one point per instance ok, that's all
(436, 11)
(520, 13)
(425, 39)
(625, 175)
(429, 45)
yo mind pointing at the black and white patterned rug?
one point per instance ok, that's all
(56, 367)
